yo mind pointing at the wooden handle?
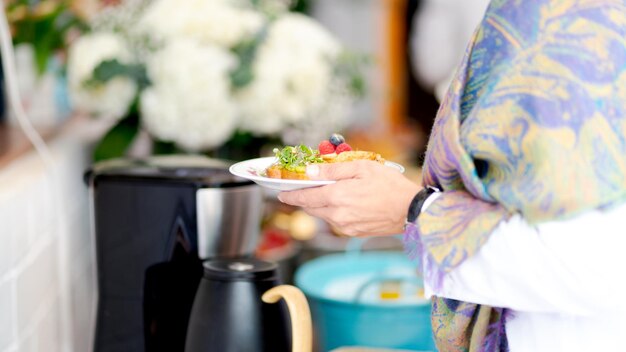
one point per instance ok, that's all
(301, 329)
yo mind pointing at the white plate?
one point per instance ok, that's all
(253, 169)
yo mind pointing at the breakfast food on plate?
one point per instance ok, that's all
(293, 160)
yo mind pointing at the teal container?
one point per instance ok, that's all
(345, 312)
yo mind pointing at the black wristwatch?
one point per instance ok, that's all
(418, 202)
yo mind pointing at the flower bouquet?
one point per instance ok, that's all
(40, 32)
(211, 75)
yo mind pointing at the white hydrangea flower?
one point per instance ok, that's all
(292, 71)
(189, 101)
(111, 99)
(220, 22)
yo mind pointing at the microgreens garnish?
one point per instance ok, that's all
(298, 157)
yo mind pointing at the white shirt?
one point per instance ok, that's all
(565, 281)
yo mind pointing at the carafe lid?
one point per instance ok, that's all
(203, 171)
(239, 269)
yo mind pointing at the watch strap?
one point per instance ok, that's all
(418, 202)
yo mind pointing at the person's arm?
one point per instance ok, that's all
(572, 266)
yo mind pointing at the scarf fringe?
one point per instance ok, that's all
(414, 249)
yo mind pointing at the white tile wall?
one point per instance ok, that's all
(48, 331)
(37, 281)
(6, 244)
(28, 343)
(47, 282)
(7, 318)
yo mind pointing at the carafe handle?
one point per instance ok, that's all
(301, 326)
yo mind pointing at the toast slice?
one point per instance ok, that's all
(277, 171)
(353, 155)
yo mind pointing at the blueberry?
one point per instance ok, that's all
(336, 139)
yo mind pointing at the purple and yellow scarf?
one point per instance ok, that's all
(534, 123)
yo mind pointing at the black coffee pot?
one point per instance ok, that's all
(233, 310)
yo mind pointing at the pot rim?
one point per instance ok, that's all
(352, 257)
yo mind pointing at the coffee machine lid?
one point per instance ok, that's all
(239, 269)
(205, 171)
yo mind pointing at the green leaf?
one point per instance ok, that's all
(302, 6)
(46, 32)
(163, 148)
(243, 145)
(243, 74)
(117, 140)
(350, 66)
(42, 56)
(109, 69)
(357, 86)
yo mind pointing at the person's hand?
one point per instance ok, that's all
(367, 199)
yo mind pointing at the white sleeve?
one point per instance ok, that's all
(573, 266)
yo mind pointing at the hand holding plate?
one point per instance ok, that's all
(367, 198)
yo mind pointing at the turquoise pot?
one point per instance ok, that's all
(344, 294)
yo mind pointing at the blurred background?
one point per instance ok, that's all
(98, 80)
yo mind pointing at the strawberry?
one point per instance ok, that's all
(325, 147)
(343, 147)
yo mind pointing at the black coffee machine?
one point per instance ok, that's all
(154, 221)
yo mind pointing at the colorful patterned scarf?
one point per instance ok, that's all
(534, 123)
